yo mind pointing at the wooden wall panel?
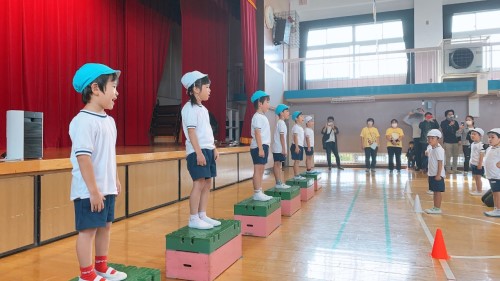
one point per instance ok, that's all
(227, 170)
(120, 199)
(245, 166)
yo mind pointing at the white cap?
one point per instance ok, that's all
(496, 130)
(189, 78)
(478, 130)
(308, 118)
(434, 133)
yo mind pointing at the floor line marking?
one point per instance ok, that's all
(346, 218)
(388, 244)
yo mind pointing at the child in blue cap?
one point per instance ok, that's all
(279, 144)
(95, 183)
(261, 139)
(297, 148)
(200, 148)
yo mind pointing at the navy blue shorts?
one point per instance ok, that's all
(297, 156)
(309, 153)
(279, 157)
(86, 219)
(476, 171)
(495, 185)
(436, 186)
(196, 171)
(257, 160)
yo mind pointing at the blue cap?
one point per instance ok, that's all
(257, 95)
(280, 108)
(189, 78)
(295, 115)
(88, 73)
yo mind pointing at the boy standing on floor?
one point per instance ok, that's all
(261, 139)
(279, 144)
(95, 182)
(201, 153)
(309, 135)
(492, 168)
(435, 169)
(476, 159)
(297, 148)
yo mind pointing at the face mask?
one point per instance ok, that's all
(450, 118)
(468, 122)
(370, 123)
(394, 125)
(428, 117)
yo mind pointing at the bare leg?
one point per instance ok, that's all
(202, 207)
(277, 171)
(296, 167)
(258, 173)
(102, 240)
(84, 243)
(437, 199)
(496, 199)
(194, 197)
(479, 183)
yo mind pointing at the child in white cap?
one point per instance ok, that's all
(261, 139)
(492, 168)
(435, 169)
(297, 148)
(200, 148)
(476, 159)
(94, 183)
(309, 143)
(279, 144)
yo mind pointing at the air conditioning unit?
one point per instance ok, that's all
(463, 58)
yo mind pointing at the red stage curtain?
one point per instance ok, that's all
(205, 28)
(146, 40)
(250, 67)
(47, 40)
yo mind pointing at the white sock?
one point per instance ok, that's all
(193, 217)
(258, 190)
(202, 214)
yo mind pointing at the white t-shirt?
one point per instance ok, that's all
(196, 116)
(309, 133)
(93, 134)
(281, 129)
(491, 159)
(475, 152)
(297, 129)
(329, 130)
(435, 154)
(260, 122)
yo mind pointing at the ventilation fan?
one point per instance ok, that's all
(463, 58)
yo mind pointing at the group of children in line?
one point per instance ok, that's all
(485, 160)
(95, 182)
(261, 140)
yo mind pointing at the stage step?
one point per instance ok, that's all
(250, 207)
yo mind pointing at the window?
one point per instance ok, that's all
(350, 52)
(478, 24)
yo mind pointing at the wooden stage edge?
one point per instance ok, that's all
(56, 159)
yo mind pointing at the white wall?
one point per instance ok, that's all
(428, 20)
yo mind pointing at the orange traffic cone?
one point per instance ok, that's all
(439, 249)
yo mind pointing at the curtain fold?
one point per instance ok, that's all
(205, 28)
(250, 64)
(46, 42)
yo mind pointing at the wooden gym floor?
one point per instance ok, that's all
(358, 227)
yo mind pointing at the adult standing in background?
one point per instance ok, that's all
(370, 139)
(330, 142)
(425, 126)
(413, 119)
(450, 140)
(464, 134)
(394, 136)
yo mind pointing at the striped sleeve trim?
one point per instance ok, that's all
(190, 126)
(83, 152)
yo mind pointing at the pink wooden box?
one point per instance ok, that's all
(289, 207)
(204, 267)
(260, 226)
(306, 193)
(317, 185)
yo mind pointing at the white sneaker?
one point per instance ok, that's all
(476, 193)
(299, 178)
(494, 213)
(430, 192)
(433, 211)
(282, 186)
(116, 276)
(199, 224)
(210, 221)
(260, 196)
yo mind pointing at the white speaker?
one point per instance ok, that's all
(24, 135)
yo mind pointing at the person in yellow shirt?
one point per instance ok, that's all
(394, 136)
(370, 138)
